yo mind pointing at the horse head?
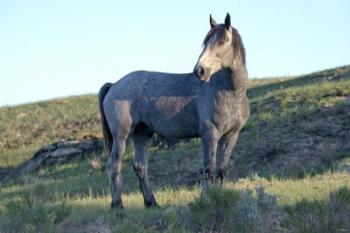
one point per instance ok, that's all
(221, 48)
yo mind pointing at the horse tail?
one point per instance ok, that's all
(107, 135)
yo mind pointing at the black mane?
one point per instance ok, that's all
(237, 44)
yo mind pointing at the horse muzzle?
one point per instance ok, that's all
(202, 73)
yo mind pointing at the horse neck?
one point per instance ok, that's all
(239, 78)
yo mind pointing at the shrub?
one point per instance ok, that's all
(258, 214)
(221, 210)
(32, 212)
(322, 216)
(214, 210)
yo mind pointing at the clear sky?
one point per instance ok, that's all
(50, 49)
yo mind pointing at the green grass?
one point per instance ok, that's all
(29, 126)
(289, 172)
(77, 194)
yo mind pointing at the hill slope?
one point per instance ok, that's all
(299, 127)
(297, 124)
(301, 122)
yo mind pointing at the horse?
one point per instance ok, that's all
(209, 103)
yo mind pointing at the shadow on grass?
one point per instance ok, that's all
(227, 210)
(330, 215)
(35, 208)
(303, 144)
(42, 207)
(80, 179)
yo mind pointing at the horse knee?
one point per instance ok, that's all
(140, 169)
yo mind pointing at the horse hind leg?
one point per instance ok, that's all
(115, 165)
(142, 141)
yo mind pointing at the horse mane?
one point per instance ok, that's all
(237, 44)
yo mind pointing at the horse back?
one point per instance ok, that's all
(164, 102)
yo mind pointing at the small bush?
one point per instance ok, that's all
(247, 213)
(221, 210)
(266, 201)
(214, 211)
(32, 212)
(258, 214)
(342, 196)
(177, 219)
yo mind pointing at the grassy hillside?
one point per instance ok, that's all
(296, 145)
(24, 128)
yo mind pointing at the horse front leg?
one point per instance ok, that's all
(210, 142)
(225, 148)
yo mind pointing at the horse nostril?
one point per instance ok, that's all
(200, 71)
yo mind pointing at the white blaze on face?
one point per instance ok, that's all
(213, 55)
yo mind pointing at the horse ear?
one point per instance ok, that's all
(212, 22)
(228, 21)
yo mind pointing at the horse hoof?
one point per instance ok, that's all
(152, 205)
(117, 205)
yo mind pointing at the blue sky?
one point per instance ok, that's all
(51, 49)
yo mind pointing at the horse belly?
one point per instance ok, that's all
(173, 117)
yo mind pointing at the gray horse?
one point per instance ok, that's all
(210, 103)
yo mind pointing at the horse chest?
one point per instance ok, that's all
(222, 109)
(226, 114)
